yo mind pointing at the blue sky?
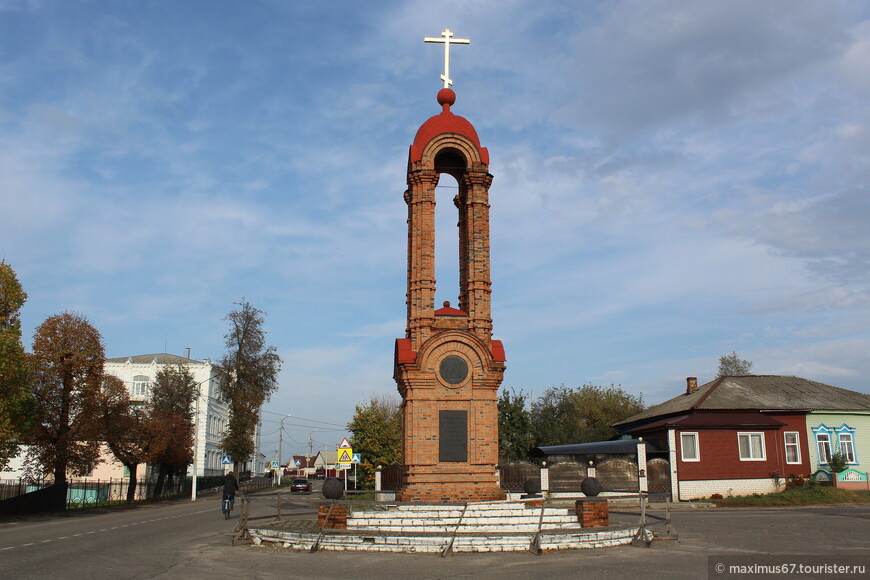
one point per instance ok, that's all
(673, 181)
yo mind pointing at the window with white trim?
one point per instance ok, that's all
(792, 447)
(751, 446)
(823, 443)
(141, 386)
(847, 446)
(689, 447)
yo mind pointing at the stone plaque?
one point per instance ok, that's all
(453, 369)
(453, 435)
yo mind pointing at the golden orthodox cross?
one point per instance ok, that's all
(447, 39)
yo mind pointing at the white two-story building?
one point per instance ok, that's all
(210, 413)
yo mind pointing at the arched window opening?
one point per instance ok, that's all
(451, 166)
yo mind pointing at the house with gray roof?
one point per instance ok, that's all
(739, 435)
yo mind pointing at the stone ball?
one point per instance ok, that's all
(333, 488)
(590, 486)
(532, 485)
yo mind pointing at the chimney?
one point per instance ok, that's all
(691, 385)
(187, 352)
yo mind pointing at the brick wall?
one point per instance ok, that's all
(699, 489)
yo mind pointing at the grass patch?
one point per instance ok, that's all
(804, 495)
(361, 496)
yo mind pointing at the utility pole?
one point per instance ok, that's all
(308, 457)
(280, 473)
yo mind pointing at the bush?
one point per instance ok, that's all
(838, 462)
(794, 481)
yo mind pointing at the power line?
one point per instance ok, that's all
(303, 418)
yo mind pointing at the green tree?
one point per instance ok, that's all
(562, 415)
(67, 365)
(731, 365)
(171, 421)
(377, 435)
(14, 396)
(515, 437)
(128, 429)
(249, 377)
(838, 462)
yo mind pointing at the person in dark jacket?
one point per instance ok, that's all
(231, 486)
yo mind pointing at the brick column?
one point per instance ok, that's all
(592, 512)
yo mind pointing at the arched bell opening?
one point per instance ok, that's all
(451, 167)
(452, 162)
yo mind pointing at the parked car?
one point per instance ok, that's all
(300, 485)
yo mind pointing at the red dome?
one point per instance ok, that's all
(446, 122)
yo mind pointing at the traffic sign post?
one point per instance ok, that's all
(345, 458)
(356, 460)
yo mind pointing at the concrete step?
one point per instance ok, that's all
(435, 543)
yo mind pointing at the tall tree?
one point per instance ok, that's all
(128, 430)
(562, 415)
(67, 363)
(377, 435)
(515, 437)
(171, 418)
(732, 365)
(249, 377)
(13, 365)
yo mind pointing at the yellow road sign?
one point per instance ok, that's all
(345, 456)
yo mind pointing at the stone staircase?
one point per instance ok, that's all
(475, 527)
(478, 517)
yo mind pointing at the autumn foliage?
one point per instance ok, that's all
(67, 370)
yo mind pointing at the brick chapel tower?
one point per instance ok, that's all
(447, 368)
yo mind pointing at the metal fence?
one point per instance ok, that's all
(82, 494)
(392, 477)
(513, 476)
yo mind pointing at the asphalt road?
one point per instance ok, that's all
(191, 540)
(164, 540)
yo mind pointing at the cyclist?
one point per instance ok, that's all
(231, 486)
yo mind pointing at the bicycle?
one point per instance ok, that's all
(227, 507)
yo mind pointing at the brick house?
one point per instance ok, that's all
(733, 435)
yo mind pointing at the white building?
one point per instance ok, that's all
(210, 417)
(210, 413)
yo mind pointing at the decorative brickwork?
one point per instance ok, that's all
(447, 143)
(593, 512)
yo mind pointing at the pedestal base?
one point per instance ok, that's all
(592, 512)
(449, 486)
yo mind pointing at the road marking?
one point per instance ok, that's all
(112, 528)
